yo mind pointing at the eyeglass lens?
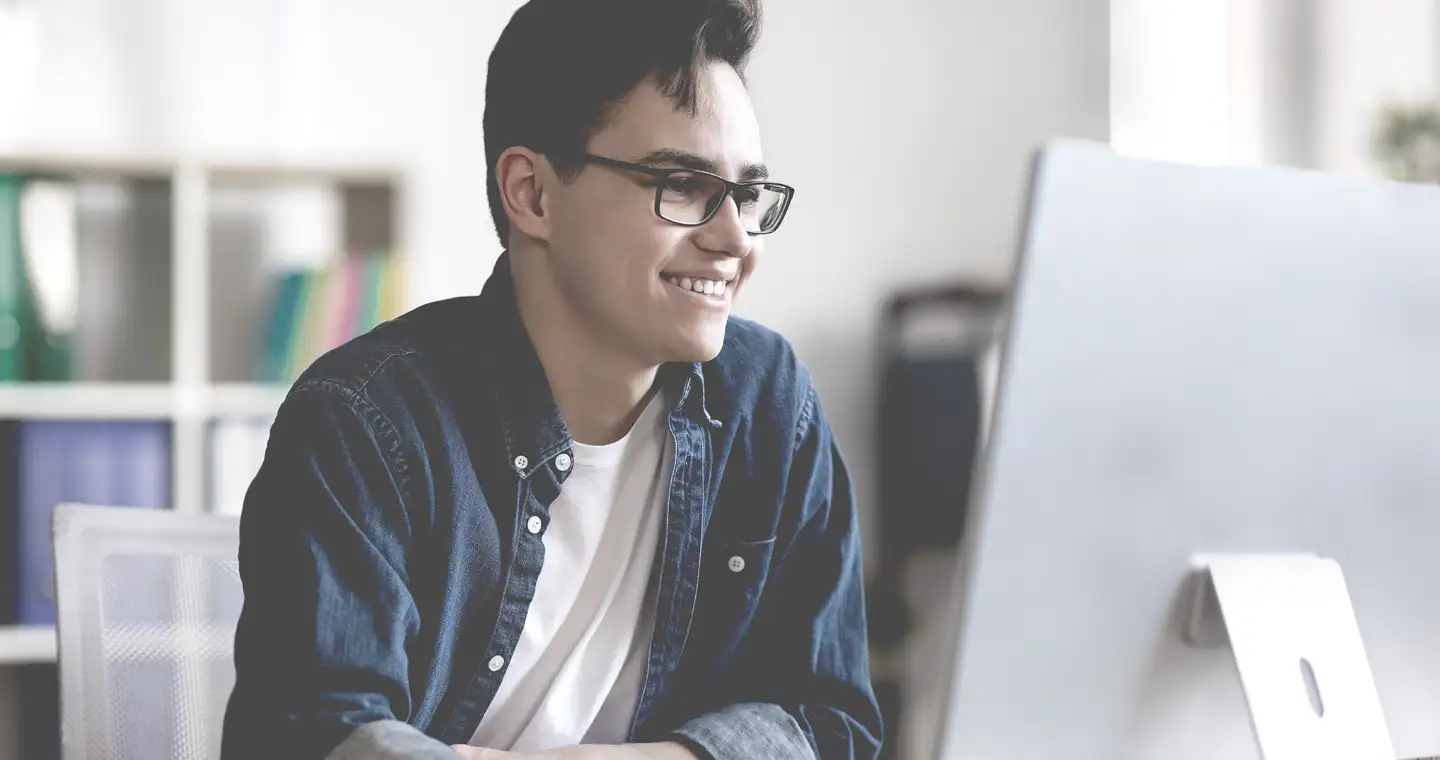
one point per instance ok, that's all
(691, 198)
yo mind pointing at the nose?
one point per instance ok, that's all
(725, 233)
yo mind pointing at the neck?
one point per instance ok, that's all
(600, 390)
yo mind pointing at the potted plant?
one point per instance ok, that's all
(1407, 142)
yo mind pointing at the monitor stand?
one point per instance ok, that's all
(1288, 621)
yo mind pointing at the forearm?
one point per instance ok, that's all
(657, 751)
(390, 740)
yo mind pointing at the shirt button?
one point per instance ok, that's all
(521, 462)
(737, 564)
(496, 663)
(562, 462)
(535, 524)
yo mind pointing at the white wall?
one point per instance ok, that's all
(1326, 69)
(1290, 82)
(1170, 84)
(1369, 54)
(1211, 81)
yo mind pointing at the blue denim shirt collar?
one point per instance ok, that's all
(529, 416)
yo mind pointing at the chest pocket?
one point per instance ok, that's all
(737, 571)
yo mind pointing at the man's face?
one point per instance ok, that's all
(620, 265)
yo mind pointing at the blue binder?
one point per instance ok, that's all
(120, 464)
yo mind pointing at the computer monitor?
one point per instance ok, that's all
(1230, 362)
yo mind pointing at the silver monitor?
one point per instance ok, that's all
(1201, 363)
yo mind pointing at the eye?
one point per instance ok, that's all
(683, 184)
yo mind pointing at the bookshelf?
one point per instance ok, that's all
(27, 644)
(193, 374)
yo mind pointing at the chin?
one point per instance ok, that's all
(699, 346)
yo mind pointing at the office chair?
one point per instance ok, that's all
(146, 607)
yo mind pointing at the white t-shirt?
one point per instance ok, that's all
(576, 673)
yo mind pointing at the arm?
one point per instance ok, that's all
(320, 648)
(801, 685)
(657, 751)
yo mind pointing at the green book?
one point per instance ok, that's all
(49, 247)
(370, 292)
(286, 310)
(12, 279)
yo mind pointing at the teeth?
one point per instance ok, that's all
(704, 287)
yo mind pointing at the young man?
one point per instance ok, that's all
(586, 514)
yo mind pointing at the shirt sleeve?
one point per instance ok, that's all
(320, 647)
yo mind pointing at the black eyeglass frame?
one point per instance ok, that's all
(730, 189)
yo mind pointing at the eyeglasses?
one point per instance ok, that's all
(690, 197)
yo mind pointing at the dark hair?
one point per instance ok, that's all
(560, 66)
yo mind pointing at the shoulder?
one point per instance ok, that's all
(391, 372)
(758, 372)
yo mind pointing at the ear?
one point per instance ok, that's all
(518, 175)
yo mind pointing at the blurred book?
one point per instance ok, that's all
(84, 279)
(121, 464)
(49, 224)
(12, 282)
(125, 236)
(313, 310)
(42, 464)
(237, 448)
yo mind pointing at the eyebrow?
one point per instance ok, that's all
(688, 160)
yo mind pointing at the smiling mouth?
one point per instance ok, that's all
(713, 288)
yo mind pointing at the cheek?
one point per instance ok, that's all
(621, 257)
(641, 250)
(613, 244)
(583, 220)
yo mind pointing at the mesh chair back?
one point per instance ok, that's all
(146, 607)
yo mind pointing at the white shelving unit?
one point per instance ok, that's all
(25, 645)
(192, 398)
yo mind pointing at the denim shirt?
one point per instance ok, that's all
(388, 566)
